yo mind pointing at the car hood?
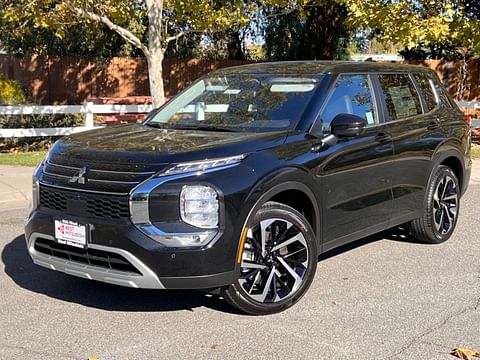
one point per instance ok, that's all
(139, 144)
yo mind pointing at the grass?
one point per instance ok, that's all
(32, 158)
(476, 152)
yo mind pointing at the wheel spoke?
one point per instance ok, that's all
(450, 197)
(254, 282)
(250, 274)
(294, 253)
(275, 296)
(292, 272)
(263, 233)
(449, 218)
(266, 287)
(445, 185)
(250, 265)
(298, 237)
(439, 223)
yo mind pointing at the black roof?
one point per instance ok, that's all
(320, 67)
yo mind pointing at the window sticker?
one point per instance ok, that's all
(369, 116)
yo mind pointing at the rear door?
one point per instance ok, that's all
(354, 175)
(412, 112)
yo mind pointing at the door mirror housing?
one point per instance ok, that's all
(347, 125)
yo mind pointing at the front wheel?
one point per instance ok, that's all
(278, 261)
(441, 208)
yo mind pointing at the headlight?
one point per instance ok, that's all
(35, 193)
(199, 206)
(204, 165)
(35, 202)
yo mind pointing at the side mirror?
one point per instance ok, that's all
(347, 125)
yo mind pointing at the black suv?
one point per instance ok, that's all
(239, 182)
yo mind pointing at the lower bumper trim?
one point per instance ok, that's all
(200, 282)
(147, 280)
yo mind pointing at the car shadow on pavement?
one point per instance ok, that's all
(20, 268)
(398, 233)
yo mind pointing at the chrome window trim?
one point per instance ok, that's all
(318, 117)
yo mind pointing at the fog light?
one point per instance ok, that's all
(199, 206)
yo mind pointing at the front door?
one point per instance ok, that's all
(355, 174)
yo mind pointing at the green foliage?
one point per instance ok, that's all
(422, 25)
(94, 40)
(35, 121)
(316, 31)
(11, 93)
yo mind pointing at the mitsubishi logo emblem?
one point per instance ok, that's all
(81, 177)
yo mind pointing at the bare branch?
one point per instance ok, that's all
(124, 33)
(175, 37)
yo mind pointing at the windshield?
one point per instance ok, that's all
(238, 102)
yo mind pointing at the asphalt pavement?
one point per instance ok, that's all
(383, 297)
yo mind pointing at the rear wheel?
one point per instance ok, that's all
(441, 211)
(278, 261)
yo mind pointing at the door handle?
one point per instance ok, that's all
(382, 137)
(433, 125)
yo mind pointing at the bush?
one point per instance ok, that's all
(35, 121)
(11, 92)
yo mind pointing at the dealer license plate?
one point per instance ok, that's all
(71, 233)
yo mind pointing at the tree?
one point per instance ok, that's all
(317, 30)
(93, 40)
(423, 27)
(149, 25)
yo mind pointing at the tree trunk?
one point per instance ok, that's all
(155, 51)
(155, 77)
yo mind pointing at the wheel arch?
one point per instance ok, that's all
(452, 158)
(286, 187)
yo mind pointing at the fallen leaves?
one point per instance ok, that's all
(465, 353)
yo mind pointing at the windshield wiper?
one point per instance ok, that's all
(155, 125)
(204, 128)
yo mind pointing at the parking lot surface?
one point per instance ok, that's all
(383, 297)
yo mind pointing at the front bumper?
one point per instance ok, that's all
(156, 266)
(145, 279)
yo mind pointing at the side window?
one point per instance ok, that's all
(352, 94)
(400, 95)
(427, 90)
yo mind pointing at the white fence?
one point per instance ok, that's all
(88, 110)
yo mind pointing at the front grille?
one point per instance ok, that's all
(53, 200)
(94, 257)
(113, 209)
(84, 204)
(111, 178)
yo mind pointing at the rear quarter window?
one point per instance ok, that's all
(444, 100)
(426, 86)
(400, 96)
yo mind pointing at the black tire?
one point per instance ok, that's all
(440, 213)
(282, 224)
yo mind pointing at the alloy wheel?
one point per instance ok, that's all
(445, 204)
(274, 261)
